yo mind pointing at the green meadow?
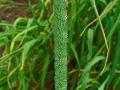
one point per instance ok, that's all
(59, 44)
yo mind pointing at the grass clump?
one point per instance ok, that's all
(62, 45)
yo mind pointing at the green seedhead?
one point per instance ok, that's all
(60, 37)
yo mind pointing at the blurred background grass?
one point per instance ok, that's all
(27, 46)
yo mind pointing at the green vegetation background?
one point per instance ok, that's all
(27, 45)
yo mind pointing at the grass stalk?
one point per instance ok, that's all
(103, 33)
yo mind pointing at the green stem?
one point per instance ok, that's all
(60, 37)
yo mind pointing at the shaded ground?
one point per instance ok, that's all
(10, 11)
(11, 15)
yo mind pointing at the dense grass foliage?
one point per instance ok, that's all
(30, 46)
